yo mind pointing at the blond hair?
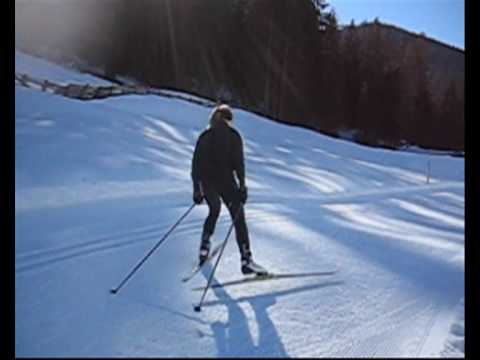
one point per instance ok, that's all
(222, 112)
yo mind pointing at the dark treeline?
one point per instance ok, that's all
(277, 58)
(254, 54)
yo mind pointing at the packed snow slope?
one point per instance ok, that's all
(99, 183)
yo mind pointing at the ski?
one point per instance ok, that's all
(268, 276)
(199, 267)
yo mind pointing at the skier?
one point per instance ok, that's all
(218, 155)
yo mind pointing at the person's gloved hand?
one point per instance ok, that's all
(197, 196)
(243, 194)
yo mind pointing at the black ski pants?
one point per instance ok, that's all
(229, 193)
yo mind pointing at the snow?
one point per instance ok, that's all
(41, 69)
(99, 183)
(419, 150)
(348, 134)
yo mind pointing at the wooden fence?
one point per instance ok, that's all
(89, 92)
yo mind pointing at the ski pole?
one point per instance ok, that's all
(114, 291)
(198, 307)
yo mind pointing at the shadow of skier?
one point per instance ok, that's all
(233, 337)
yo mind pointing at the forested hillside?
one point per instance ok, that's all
(288, 60)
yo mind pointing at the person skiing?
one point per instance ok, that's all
(217, 157)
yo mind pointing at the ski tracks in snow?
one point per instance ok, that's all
(392, 329)
(38, 258)
(32, 260)
(35, 259)
(401, 331)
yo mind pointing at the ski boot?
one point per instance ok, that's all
(250, 267)
(204, 249)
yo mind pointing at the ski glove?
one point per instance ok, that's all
(197, 195)
(243, 194)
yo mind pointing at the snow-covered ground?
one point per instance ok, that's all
(42, 69)
(99, 183)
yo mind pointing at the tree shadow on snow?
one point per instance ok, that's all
(386, 247)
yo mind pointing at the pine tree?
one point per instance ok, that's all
(373, 70)
(452, 119)
(351, 56)
(424, 108)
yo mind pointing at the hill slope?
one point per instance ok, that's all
(99, 183)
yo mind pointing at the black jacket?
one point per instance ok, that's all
(218, 154)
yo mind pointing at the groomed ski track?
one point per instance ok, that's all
(360, 317)
(99, 183)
